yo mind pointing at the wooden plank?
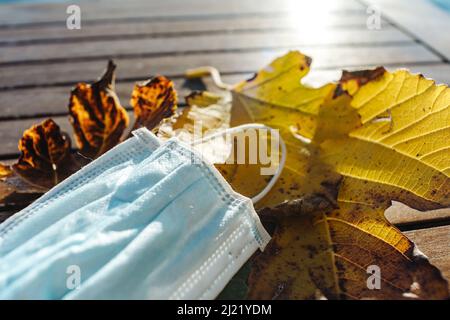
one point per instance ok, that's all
(53, 100)
(107, 9)
(434, 243)
(405, 217)
(130, 28)
(162, 46)
(227, 62)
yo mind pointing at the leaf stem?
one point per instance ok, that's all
(208, 71)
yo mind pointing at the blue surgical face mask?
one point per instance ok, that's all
(144, 221)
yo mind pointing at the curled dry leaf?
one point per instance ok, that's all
(45, 155)
(5, 171)
(96, 115)
(153, 101)
(99, 122)
(45, 159)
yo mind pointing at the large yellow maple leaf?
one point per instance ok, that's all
(353, 147)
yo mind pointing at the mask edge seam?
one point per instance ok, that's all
(180, 292)
(260, 233)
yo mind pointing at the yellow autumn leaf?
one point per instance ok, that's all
(277, 98)
(275, 94)
(402, 149)
(335, 154)
(330, 253)
(369, 131)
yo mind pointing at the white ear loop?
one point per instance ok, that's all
(240, 128)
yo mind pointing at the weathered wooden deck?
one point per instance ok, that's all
(40, 59)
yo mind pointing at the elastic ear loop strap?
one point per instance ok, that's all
(243, 127)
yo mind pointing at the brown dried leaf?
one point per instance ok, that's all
(5, 171)
(152, 101)
(98, 120)
(96, 115)
(45, 155)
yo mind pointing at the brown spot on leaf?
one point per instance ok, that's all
(361, 77)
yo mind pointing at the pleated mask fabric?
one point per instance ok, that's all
(147, 220)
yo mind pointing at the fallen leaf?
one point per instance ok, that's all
(276, 97)
(45, 155)
(45, 160)
(401, 151)
(332, 252)
(99, 122)
(367, 131)
(97, 118)
(276, 94)
(5, 171)
(153, 101)
(335, 152)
